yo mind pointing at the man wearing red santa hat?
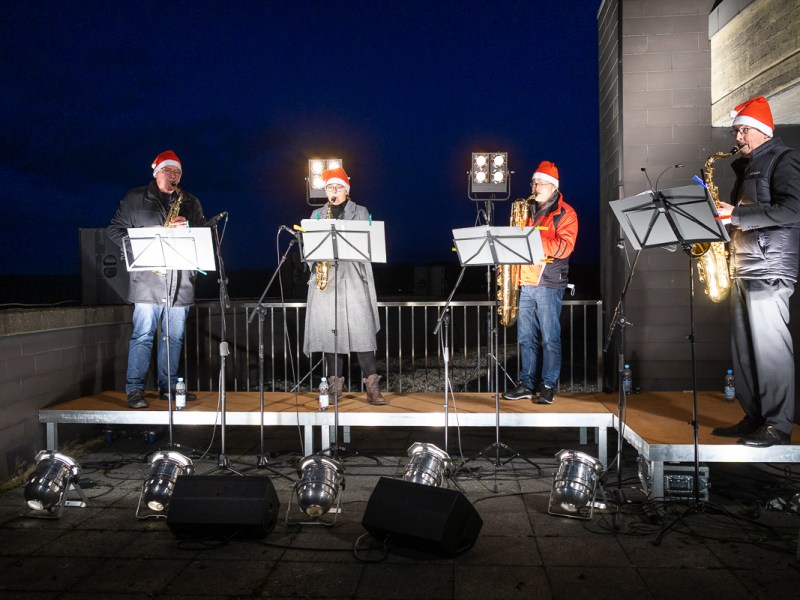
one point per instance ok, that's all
(149, 206)
(541, 290)
(764, 214)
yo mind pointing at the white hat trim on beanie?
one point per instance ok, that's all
(165, 163)
(750, 121)
(340, 181)
(546, 177)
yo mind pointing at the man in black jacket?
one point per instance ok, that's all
(765, 241)
(149, 206)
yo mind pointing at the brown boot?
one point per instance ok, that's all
(338, 389)
(374, 396)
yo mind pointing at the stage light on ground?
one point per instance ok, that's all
(428, 465)
(575, 485)
(53, 475)
(157, 489)
(315, 185)
(321, 478)
(489, 176)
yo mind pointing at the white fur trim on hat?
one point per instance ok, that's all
(339, 181)
(755, 123)
(545, 177)
(165, 163)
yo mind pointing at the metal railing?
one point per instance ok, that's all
(410, 358)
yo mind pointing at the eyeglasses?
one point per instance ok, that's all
(742, 130)
(540, 183)
(168, 171)
(334, 188)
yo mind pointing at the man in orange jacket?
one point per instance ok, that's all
(542, 290)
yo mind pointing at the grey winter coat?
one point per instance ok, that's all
(357, 303)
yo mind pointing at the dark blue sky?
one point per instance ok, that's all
(246, 92)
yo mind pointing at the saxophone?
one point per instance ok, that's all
(175, 208)
(323, 268)
(508, 275)
(712, 257)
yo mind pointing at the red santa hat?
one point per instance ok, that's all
(337, 175)
(166, 159)
(546, 171)
(755, 113)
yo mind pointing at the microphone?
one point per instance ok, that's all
(289, 231)
(214, 220)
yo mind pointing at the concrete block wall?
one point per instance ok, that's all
(49, 356)
(756, 52)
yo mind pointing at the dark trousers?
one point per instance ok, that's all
(366, 360)
(763, 357)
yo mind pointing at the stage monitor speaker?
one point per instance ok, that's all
(423, 517)
(205, 506)
(104, 276)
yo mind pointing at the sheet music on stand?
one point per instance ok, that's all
(490, 245)
(686, 214)
(334, 239)
(153, 248)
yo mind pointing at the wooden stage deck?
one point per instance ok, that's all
(657, 424)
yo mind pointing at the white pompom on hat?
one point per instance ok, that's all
(166, 159)
(337, 175)
(546, 171)
(755, 113)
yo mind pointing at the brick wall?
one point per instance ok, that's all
(49, 356)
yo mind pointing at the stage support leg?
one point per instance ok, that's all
(52, 436)
(582, 438)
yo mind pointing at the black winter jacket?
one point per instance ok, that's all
(765, 240)
(147, 207)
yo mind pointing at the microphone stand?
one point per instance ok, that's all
(260, 309)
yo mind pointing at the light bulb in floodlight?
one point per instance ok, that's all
(334, 164)
(499, 160)
(498, 177)
(50, 480)
(480, 177)
(317, 167)
(165, 468)
(317, 182)
(480, 160)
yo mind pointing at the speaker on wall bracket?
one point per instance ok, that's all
(423, 517)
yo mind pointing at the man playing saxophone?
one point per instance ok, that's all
(764, 214)
(542, 290)
(160, 203)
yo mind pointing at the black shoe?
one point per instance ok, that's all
(743, 427)
(766, 436)
(136, 399)
(546, 396)
(189, 396)
(521, 392)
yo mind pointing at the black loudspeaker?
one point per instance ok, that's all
(204, 506)
(423, 517)
(104, 276)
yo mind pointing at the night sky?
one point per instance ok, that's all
(246, 92)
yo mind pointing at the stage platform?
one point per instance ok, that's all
(656, 424)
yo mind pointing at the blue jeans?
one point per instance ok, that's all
(539, 333)
(145, 322)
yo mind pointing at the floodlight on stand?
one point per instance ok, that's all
(315, 185)
(157, 489)
(318, 490)
(54, 475)
(575, 485)
(429, 465)
(489, 176)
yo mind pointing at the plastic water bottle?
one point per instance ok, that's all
(730, 386)
(323, 394)
(627, 379)
(180, 394)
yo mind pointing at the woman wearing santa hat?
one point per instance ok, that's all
(764, 215)
(355, 305)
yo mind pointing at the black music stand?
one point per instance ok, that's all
(334, 241)
(678, 216)
(169, 249)
(488, 245)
